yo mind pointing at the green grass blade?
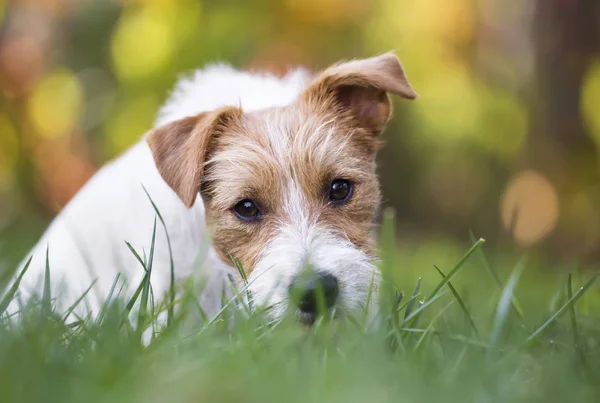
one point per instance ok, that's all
(411, 320)
(140, 287)
(135, 296)
(153, 315)
(422, 307)
(413, 299)
(10, 294)
(455, 269)
(228, 303)
(570, 302)
(414, 323)
(387, 289)
(239, 268)
(146, 281)
(430, 326)
(77, 301)
(137, 256)
(399, 298)
(365, 315)
(579, 347)
(200, 310)
(504, 304)
(47, 295)
(460, 302)
(244, 277)
(170, 311)
(109, 298)
(484, 261)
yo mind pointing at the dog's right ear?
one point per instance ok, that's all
(180, 149)
(360, 88)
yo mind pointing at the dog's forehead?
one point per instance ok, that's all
(274, 149)
(294, 137)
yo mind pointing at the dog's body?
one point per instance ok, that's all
(86, 241)
(259, 150)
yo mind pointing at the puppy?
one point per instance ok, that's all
(279, 172)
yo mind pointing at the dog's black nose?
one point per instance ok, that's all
(307, 291)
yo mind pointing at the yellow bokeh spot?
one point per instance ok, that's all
(181, 16)
(132, 119)
(142, 44)
(8, 148)
(155, 4)
(590, 101)
(56, 104)
(327, 11)
(529, 207)
(504, 123)
(448, 106)
(419, 22)
(173, 6)
(452, 21)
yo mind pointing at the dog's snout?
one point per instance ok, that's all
(308, 291)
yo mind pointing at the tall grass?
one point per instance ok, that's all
(429, 343)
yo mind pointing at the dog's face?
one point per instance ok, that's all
(291, 192)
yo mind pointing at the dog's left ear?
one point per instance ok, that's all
(360, 87)
(181, 148)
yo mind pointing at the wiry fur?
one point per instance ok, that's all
(230, 136)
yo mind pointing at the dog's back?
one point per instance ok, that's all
(86, 241)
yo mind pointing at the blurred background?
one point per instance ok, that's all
(503, 140)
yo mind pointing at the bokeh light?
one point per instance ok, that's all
(590, 100)
(448, 106)
(529, 207)
(56, 104)
(327, 12)
(142, 44)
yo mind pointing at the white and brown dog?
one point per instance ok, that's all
(285, 168)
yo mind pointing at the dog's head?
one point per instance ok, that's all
(292, 190)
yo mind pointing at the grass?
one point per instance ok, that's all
(467, 336)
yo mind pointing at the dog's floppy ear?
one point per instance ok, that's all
(180, 149)
(361, 87)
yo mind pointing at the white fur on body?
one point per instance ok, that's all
(86, 241)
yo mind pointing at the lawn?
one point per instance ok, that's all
(467, 331)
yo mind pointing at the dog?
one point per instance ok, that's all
(278, 174)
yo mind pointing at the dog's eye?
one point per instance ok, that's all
(340, 191)
(246, 210)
